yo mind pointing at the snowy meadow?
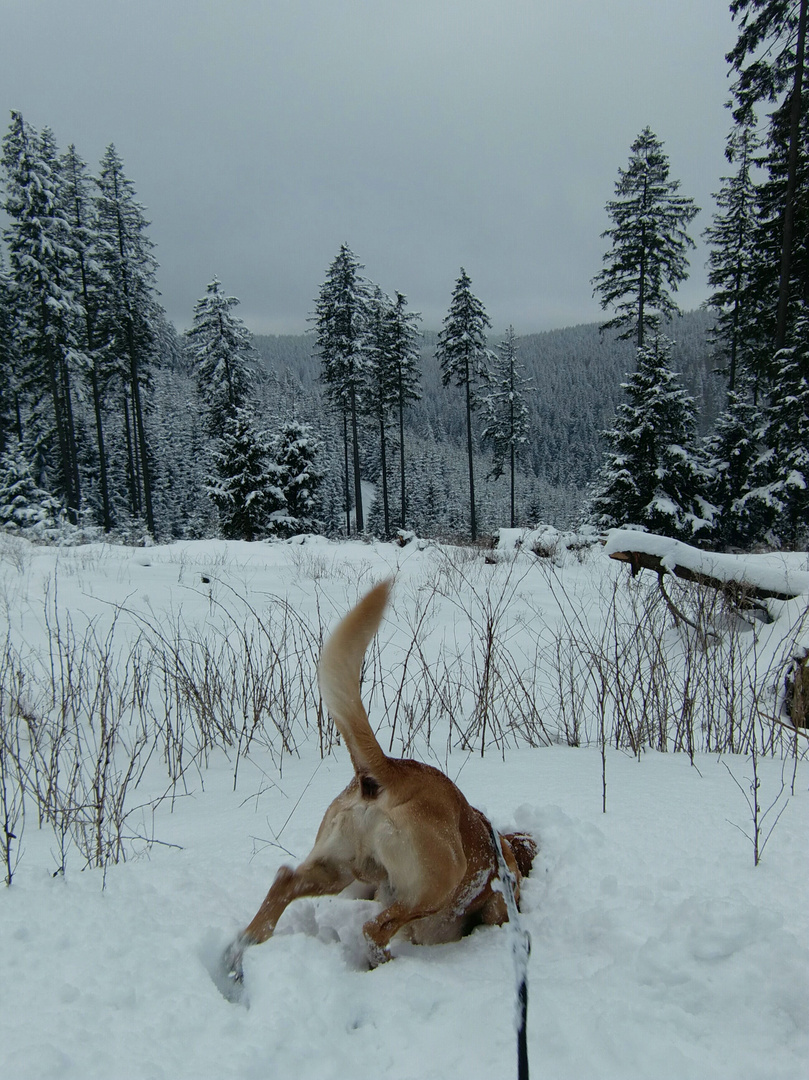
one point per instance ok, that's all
(165, 750)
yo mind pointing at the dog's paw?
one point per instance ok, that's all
(231, 962)
(228, 974)
(377, 954)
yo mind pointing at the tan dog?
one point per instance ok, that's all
(400, 827)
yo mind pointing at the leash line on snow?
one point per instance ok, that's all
(520, 941)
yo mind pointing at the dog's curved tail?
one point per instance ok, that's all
(339, 678)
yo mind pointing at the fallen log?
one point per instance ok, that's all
(743, 593)
(748, 584)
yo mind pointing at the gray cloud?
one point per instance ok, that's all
(261, 134)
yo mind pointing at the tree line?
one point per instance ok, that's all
(110, 419)
(369, 349)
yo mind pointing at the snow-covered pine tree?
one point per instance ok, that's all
(733, 256)
(436, 505)
(770, 60)
(379, 392)
(652, 474)
(127, 319)
(183, 447)
(332, 496)
(507, 414)
(295, 454)
(10, 419)
(24, 505)
(37, 239)
(244, 485)
(786, 464)
(464, 361)
(222, 355)
(402, 342)
(647, 259)
(88, 282)
(341, 320)
(730, 453)
(782, 305)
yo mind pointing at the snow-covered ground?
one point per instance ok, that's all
(659, 950)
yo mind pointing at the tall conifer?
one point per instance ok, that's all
(129, 314)
(464, 362)
(341, 319)
(652, 474)
(647, 259)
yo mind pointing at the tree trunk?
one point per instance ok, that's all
(65, 458)
(345, 473)
(642, 285)
(402, 450)
(70, 434)
(102, 453)
(513, 508)
(384, 456)
(359, 521)
(473, 525)
(131, 462)
(140, 430)
(792, 181)
(512, 448)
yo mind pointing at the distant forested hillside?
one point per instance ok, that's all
(576, 374)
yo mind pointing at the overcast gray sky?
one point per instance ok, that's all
(426, 134)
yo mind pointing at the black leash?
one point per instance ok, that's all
(520, 951)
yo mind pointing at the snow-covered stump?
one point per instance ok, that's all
(520, 942)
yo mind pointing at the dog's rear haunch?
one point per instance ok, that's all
(401, 828)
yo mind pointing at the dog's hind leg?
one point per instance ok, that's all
(314, 877)
(317, 877)
(379, 931)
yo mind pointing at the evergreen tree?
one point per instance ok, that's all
(783, 300)
(652, 475)
(37, 238)
(183, 447)
(341, 320)
(732, 236)
(89, 284)
(129, 315)
(331, 493)
(402, 343)
(647, 257)
(222, 355)
(770, 60)
(464, 361)
(392, 380)
(731, 454)
(507, 414)
(379, 393)
(10, 419)
(788, 440)
(298, 476)
(244, 486)
(23, 503)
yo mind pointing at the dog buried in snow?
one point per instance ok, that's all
(401, 828)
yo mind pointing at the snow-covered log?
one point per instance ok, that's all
(746, 578)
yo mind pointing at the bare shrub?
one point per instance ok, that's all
(669, 670)
(469, 660)
(12, 766)
(490, 657)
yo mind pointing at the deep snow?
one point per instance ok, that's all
(658, 949)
